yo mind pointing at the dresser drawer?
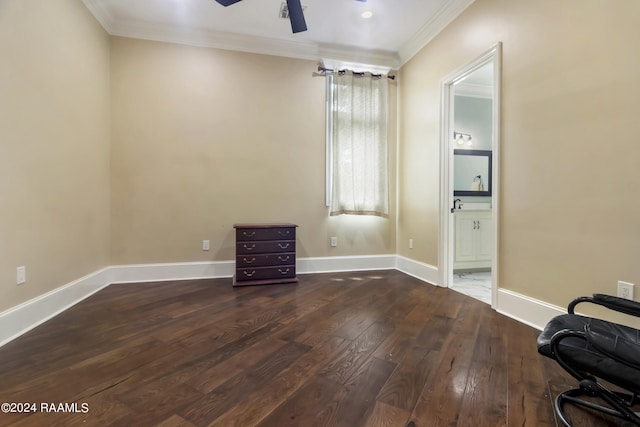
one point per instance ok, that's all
(265, 254)
(276, 233)
(249, 260)
(260, 273)
(265, 247)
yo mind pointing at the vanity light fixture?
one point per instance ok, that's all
(462, 138)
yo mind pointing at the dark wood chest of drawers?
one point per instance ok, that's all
(265, 254)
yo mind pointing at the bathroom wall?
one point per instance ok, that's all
(473, 116)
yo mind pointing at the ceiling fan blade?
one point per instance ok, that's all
(227, 2)
(298, 24)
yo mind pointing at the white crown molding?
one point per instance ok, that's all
(277, 47)
(250, 44)
(214, 39)
(474, 90)
(432, 28)
(238, 42)
(96, 7)
(377, 58)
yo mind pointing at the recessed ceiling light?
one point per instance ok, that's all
(367, 14)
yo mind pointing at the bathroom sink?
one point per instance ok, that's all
(473, 207)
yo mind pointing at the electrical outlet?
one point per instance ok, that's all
(625, 290)
(334, 241)
(410, 243)
(21, 275)
(205, 245)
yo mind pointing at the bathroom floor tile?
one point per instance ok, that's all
(474, 284)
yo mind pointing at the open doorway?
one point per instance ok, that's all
(469, 180)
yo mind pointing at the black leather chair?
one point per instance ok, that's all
(596, 352)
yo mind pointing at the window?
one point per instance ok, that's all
(357, 144)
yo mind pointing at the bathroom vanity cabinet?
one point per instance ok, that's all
(473, 233)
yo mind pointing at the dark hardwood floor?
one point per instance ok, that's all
(343, 349)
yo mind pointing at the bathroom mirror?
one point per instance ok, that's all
(472, 172)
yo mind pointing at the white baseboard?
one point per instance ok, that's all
(207, 270)
(136, 273)
(522, 308)
(527, 310)
(26, 316)
(345, 263)
(420, 270)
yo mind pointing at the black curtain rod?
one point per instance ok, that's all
(360, 74)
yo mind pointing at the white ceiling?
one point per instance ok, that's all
(336, 30)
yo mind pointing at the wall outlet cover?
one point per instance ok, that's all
(625, 290)
(21, 275)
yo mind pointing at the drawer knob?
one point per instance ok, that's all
(249, 248)
(283, 232)
(249, 234)
(248, 261)
(283, 245)
(246, 273)
(283, 271)
(283, 258)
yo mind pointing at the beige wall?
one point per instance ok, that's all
(570, 213)
(205, 138)
(54, 146)
(197, 139)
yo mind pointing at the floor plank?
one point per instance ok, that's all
(387, 415)
(284, 385)
(375, 348)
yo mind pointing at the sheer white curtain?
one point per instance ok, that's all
(359, 158)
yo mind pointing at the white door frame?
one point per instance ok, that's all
(445, 245)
